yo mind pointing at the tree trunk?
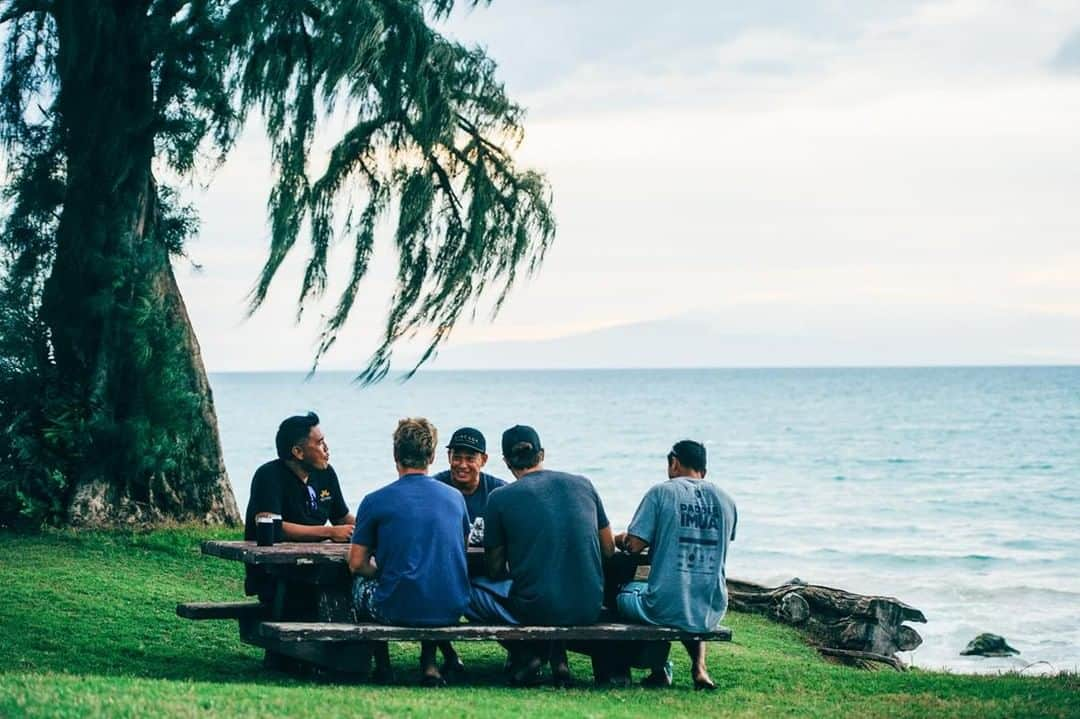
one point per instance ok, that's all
(139, 421)
(850, 627)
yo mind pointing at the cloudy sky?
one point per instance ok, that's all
(873, 165)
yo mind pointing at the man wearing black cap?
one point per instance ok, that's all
(467, 453)
(687, 524)
(548, 531)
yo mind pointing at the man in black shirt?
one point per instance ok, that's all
(302, 487)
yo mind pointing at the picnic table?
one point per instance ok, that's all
(323, 631)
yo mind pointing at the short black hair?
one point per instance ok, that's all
(690, 454)
(293, 431)
(523, 456)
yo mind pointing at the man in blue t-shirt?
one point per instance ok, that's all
(687, 524)
(408, 546)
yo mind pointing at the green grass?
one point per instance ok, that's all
(88, 628)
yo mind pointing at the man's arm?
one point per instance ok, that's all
(361, 562)
(316, 533)
(495, 562)
(349, 518)
(629, 543)
(607, 542)
(603, 526)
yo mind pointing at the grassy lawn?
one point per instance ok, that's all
(88, 628)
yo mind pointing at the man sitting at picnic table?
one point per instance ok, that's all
(548, 531)
(686, 523)
(467, 454)
(302, 487)
(408, 547)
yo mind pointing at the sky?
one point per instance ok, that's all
(877, 166)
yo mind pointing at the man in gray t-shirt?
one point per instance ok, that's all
(548, 532)
(687, 524)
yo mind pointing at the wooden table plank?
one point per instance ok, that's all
(307, 553)
(335, 632)
(293, 553)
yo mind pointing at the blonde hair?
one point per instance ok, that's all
(414, 443)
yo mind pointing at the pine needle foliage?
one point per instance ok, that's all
(431, 127)
(426, 156)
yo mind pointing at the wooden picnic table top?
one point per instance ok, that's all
(294, 553)
(304, 553)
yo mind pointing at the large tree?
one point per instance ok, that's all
(106, 412)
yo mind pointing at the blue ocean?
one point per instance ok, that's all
(956, 490)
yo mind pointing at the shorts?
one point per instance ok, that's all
(363, 599)
(629, 602)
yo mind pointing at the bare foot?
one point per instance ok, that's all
(702, 680)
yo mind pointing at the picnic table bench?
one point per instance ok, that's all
(326, 634)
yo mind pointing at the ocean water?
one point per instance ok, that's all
(955, 490)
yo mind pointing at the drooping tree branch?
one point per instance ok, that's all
(430, 131)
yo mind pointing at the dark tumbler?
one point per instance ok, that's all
(264, 532)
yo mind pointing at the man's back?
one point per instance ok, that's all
(416, 529)
(548, 523)
(688, 524)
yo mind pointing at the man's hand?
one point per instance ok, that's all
(340, 532)
(361, 562)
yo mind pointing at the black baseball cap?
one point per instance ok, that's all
(519, 434)
(690, 454)
(468, 438)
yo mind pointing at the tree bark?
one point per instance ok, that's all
(140, 424)
(850, 627)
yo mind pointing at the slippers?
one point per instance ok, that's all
(659, 679)
(529, 675)
(452, 667)
(562, 678)
(432, 680)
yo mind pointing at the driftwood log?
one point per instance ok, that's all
(851, 628)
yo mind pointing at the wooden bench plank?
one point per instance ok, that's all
(219, 610)
(339, 632)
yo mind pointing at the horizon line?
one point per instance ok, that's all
(663, 369)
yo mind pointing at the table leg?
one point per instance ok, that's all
(272, 660)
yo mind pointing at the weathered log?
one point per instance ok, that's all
(863, 660)
(852, 627)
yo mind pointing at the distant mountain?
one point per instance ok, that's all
(786, 336)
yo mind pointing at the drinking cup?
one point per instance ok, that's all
(264, 531)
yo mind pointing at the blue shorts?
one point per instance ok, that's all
(488, 600)
(363, 598)
(629, 602)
